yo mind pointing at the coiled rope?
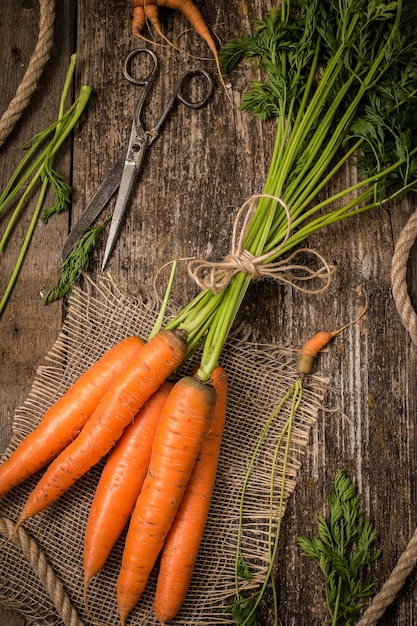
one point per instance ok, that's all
(408, 558)
(404, 244)
(43, 570)
(33, 72)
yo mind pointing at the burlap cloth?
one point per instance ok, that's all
(41, 570)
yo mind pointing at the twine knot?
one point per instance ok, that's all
(216, 276)
(244, 262)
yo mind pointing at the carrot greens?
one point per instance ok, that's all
(36, 167)
(343, 550)
(243, 608)
(338, 77)
(77, 262)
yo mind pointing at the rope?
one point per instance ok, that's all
(398, 277)
(33, 72)
(392, 586)
(408, 558)
(44, 571)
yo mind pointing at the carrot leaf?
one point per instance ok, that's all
(340, 81)
(36, 168)
(343, 550)
(77, 262)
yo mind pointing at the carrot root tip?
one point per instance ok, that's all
(304, 365)
(12, 535)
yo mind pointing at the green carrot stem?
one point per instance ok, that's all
(24, 247)
(18, 208)
(10, 191)
(41, 169)
(335, 611)
(158, 323)
(274, 527)
(46, 156)
(67, 85)
(11, 188)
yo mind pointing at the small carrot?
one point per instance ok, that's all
(64, 420)
(310, 350)
(126, 395)
(148, 9)
(120, 484)
(184, 421)
(180, 549)
(307, 354)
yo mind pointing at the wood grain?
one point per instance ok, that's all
(201, 169)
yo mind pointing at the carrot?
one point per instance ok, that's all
(148, 9)
(307, 354)
(120, 483)
(184, 421)
(64, 420)
(180, 549)
(310, 350)
(126, 395)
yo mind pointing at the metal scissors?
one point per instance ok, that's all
(127, 167)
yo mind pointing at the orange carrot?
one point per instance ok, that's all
(309, 351)
(184, 421)
(120, 484)
(126, 395)
(307, 354)
(180, 549)
(148, 9)
(64, 420)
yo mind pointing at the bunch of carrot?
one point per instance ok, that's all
(318, 101)
(164, 443)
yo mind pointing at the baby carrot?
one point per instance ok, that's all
(120, 484)
(184, 421)
(142, 376)
(64, 420)
(180, 549)
(311, 348)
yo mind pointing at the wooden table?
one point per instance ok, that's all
(201, 170)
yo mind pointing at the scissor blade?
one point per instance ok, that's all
(130, 172)
(97, 203)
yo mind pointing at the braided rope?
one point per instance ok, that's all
(392, 585)
(398, 276)
(43, 570)
(408, 558)
(33, 72)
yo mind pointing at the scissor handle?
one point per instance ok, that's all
(178, 94)
(179, 90)
(140, 80)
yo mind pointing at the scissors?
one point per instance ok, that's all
(126, 169)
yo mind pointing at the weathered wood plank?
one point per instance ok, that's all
(27, 328)
(204, 165)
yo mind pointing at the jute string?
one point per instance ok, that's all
(408, 558)
(216, 276)
(33, 72)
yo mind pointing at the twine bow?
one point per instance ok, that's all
(216, 276)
